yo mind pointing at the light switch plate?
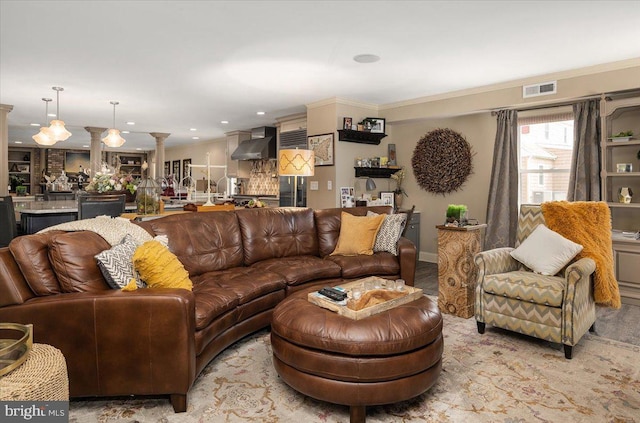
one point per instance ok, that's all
(329, 185)
(313, 185)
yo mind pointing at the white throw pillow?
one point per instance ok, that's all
(545, 251)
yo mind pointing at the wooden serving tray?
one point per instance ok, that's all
(411, 294)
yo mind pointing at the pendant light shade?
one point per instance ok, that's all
(45, 137)
(113, 138)
(57, 129)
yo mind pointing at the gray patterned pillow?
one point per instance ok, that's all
(116, 263)
(389, 233)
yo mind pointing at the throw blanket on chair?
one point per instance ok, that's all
(588, 223)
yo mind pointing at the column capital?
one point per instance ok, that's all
(6, 107)
(159, 135)
(94, 129)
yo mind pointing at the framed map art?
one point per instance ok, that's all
(322, 147)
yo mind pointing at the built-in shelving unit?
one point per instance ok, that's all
(129, 163)
(21, 166)
(361, 137)
(622, 115)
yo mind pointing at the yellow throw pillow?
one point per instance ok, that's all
(159, 267)
(357, 234)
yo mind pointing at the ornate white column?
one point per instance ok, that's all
(5, 109)
(159, 156)
(95, 154)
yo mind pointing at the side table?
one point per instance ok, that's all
(456, 270)
(42, 377)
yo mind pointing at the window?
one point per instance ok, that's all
(545, 148)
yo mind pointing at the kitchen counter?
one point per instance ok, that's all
(36, 215)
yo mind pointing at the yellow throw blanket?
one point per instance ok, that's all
(589, 224)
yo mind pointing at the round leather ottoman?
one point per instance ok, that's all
(385, 358)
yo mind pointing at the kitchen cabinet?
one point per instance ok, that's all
(237, 168)
(620, 173)
(413, 231)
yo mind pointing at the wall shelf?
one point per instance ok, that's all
(361, 137)
(375, 172)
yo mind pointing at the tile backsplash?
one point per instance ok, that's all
(263, 179)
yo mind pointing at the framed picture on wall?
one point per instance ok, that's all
(185, 167)
(167, 169)
(347, 196)
(185, 170)
(322, 147)
(176, 170)
(377, 125)
(388, 198)
(76, 161)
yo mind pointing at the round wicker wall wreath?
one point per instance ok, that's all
(442, 161)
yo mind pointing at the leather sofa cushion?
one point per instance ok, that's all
(220, 291)
(211, 302)
(204, 241)
(72, 256)
(12, 284)
(300, 269)
(328, 225)
(277, 232)
(362, 265)
(32, 255)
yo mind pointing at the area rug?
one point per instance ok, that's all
(496, 377)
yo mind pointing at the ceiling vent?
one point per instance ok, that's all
(535, 90)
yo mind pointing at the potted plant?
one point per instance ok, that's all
(14, 181)
(399, 191)
(21, 190)
(456, 215)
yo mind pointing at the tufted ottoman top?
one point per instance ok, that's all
(404, 328)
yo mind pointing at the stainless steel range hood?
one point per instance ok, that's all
(262, 145)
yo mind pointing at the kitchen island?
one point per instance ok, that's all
(37, 215)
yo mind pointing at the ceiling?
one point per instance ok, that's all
(177, 65)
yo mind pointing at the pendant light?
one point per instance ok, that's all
(57, 128)
(113, 139)
(45, 137)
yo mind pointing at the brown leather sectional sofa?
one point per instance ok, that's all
(156, 341)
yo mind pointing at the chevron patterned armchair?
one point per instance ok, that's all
(508, 295)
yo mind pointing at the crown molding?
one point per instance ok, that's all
(342, 101)
(517, 83)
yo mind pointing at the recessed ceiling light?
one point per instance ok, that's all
(85, 146)
(366, 58)
(192, 129)
(260, 113)
(34, 124)
(125, 132)
(195, 138)
(224, 122)
(17, 142)
(51, 114)
(130, 123)
(139, 149)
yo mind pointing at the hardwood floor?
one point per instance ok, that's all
(621, 325)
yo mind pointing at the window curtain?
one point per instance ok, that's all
(502, 208)
(584, 179)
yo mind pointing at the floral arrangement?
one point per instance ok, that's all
(104, 182)
(399, 177)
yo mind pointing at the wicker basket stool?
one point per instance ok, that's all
(42, 377)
